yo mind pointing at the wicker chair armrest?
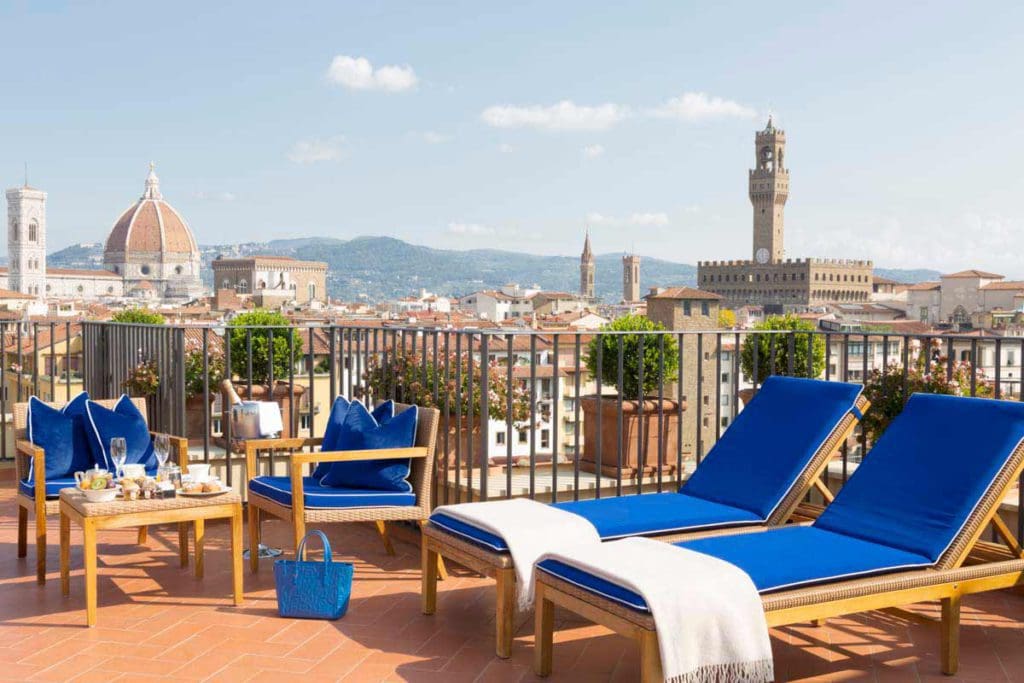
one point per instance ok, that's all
(25, 452)
(281, 444)
(354, 456)
(179, 449)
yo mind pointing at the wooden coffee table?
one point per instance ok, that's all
(119, 514)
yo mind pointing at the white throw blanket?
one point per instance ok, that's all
(711, 626)
(530, 529)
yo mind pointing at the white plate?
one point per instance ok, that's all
(204, 494)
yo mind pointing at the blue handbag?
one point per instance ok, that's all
(312, 590)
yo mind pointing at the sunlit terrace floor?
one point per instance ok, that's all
(157, 621)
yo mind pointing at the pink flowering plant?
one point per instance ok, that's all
(408, 377)
(931, 373)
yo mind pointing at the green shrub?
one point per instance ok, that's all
(261, 321)
(802, 345)
(631, 355)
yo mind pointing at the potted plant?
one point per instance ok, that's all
(258, 330)
(931, 373)
(407, 377)
(761, 343)
(143, 380)
(640, 435)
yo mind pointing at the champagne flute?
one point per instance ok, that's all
(118, 454)
(162, 449)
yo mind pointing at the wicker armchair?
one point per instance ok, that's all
(38, 502)
(296, 511)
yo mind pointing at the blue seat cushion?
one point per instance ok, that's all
(61, 434)
(927, 474)
(362, 431)
(635, 515)
(775, 560)
(124, 421)
(339, 409)
(770, 443)
(53, 486)
(279, 490)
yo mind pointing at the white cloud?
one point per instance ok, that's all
(206, 196)
(656, 219)
(506, 148)
(699, 106)
(432, 137)
(357, 73)
(593, 151)
(564, 115)
(470, 229)
(317, 149)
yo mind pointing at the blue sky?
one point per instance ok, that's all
(441, 123)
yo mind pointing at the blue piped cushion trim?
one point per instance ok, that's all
(125, 421)
(382, 413)
(61, 434)
(315, 496)
(361, 431)
(53, 486)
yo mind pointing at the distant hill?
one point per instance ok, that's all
(381, 268)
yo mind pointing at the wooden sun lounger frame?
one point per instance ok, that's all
(439, 543)
(969, 565)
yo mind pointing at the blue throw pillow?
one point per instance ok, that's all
(124, 421)
(61, 433)
(382, 413)
(361, 431)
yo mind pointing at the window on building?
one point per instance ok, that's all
(705, 309)
(304, 421)
(686, 308)
(145, 270)
(545, 438)
(1011, 358)
(923, 314)
(243, 286)
(725, 399)
(523, 437)
(178, 270)
(725, 378)
(33, 231)
(499, 438)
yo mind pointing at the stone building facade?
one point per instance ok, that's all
(630, 278)
(587, 270)
(770, 279)
(273, 280)
(685, 309)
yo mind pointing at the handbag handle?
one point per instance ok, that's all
(300, 552)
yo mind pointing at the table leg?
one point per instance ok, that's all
(65, 554)
(183, 543)
(200, 530)
(89, 551)
(236, 553)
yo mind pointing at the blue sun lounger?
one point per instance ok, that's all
(898, 532)
(754, 476)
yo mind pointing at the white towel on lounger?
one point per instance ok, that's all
(710, 621)
(530, 529)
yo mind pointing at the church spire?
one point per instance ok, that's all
(587, 269)
(152, 184)
(587, 254)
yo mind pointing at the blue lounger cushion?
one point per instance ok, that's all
(763, 452)
(649, 513)
(279, 490)
(924, 478)
(774, 560)
(53, 486)
(767, 448)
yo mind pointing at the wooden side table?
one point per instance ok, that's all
(119, 514)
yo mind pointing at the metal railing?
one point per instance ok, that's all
(520, 413)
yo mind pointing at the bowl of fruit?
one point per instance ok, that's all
(96, 485)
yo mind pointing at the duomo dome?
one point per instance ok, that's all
(152, 247)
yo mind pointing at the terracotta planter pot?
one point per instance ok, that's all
(747, 394)
(459, 441)
(638, 458)
(281, 394)
(196, 410)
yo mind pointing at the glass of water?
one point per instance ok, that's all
(162, 448)
(118, 454)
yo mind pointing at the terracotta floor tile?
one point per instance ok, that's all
(149, 608)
